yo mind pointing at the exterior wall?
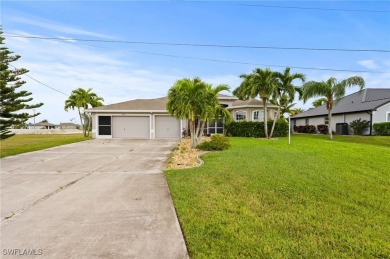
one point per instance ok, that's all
(249, 112)
(338, 118)
(380, 115)
(297, 122)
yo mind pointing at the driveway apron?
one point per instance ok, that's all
(92, 199)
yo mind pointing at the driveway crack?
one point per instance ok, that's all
(61, 188)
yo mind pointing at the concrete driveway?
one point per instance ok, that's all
(92, 199)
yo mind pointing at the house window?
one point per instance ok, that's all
(104, 124)
(307, 122)
(387, 116)
(258, 115)
(326, 120)
(240, 115)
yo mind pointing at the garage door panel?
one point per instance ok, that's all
(131, 127)
(167, 127)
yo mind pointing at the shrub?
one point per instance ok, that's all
(217, 142)
(358, 125)
(322, 128)
(382, 128)
(255, 129)
(305, 129)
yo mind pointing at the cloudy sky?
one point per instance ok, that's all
(118, 57)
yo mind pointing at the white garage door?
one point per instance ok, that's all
(131, 127)
(167, 127)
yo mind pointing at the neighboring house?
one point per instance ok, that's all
(149, 118)
(41, 125)
(68, 125)
(371, 104)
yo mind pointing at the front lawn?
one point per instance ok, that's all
(31, 142)
(264, 198)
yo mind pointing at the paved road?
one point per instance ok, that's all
(93, 199)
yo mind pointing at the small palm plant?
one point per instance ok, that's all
(358, 126)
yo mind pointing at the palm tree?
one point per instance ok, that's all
(296, 111)
(82, 99)
(286, 91)
(262, 83)
(332, 90)
(319, 102)
(196, 101)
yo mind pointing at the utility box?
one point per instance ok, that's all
(342, 129)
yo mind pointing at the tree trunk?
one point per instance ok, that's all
(200, 133)
(330, 123)
(273, 124)
(265, 117)
(192, 133)
(81, 122)
(90, 123)
(197, 133)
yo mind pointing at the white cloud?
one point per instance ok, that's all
(54, 26)
(68, 66)
(368, 63)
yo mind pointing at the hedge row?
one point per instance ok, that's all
(322, 128)
(255, 129)
(305, 129)
(382, 128)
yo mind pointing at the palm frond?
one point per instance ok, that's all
(314, 89)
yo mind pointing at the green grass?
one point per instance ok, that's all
(31, 142)
(264, 198)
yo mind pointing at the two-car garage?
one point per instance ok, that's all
(135, 119)
(139, 126)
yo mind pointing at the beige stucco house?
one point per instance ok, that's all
(149, 118)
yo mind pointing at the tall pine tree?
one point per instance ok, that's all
(13, 100)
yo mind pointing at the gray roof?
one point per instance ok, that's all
(68, 124)
(158, 104)
(366, 100)
(252, 102)
(226, 97)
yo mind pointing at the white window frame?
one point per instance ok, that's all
(236, 113)
(387, 116)
(259, 113)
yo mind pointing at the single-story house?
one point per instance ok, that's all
(149, 118)
(371, 104)
(68, 125)
(41, 125)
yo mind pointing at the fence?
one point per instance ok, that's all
(46, 131)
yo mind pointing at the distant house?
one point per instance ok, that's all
(371, 104)
(149, 118)
(42, 125)
(68, 125)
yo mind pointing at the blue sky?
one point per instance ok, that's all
(120, 72)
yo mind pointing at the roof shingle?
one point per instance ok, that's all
(158, 104)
